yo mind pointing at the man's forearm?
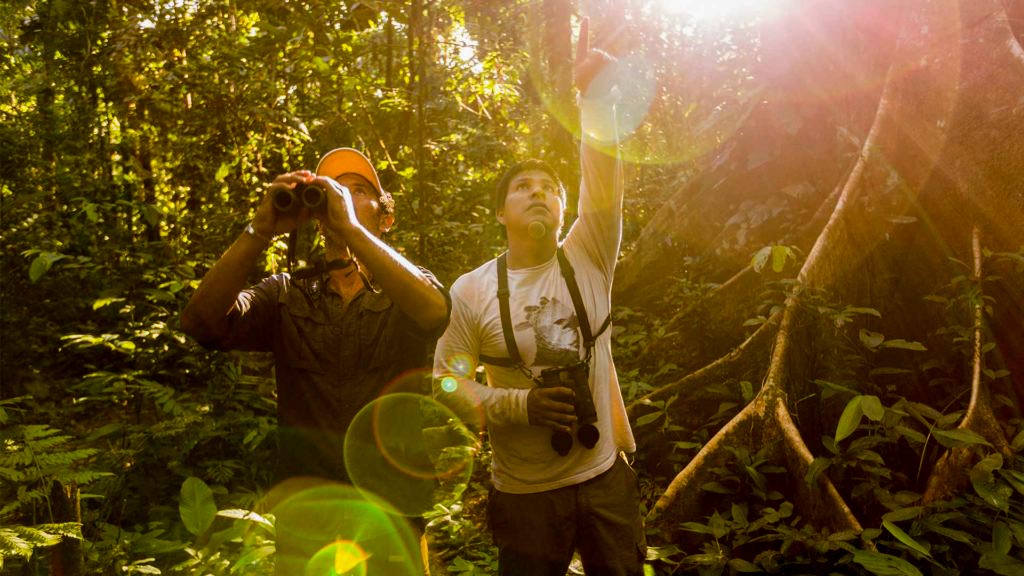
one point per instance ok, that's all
(403, 282)
(205, 316)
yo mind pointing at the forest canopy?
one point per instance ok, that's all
(818, 308)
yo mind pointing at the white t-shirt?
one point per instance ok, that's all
(547, 334)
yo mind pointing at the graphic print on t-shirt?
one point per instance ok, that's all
(554, 328)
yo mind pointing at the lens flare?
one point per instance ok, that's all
(339, 557)
(403, 447)
(660, 115)
(327, 529)
(449, 384)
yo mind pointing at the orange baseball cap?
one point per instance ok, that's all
(348, 161)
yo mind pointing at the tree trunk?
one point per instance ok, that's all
(66, 557)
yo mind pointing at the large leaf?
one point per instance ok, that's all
(1002, 538)
(197, 507)
(903, 514)
(959, 437)
(871, 339)
(761, 258)
(904, 345)
(247, 515)
(1001, 564)
(872, 408)
(779, 255)
(42, 264)
(986, 485)
(905, 538)
(850, 418)
(884, 564)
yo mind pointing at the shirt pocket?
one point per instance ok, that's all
(376, 332)
(309, 340)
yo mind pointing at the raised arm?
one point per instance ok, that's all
(205, 317)
(599, 226)
(407, 286)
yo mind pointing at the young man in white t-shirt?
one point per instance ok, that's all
(560, 479)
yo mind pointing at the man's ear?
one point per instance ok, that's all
(386, 222)
(500, 216)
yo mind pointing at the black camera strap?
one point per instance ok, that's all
(569, 275)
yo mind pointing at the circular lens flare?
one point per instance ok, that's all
(327, 528)
(402, 447)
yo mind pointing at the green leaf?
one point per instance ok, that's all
(1001, 564)
(884, 564)
(247, 515)
(887, 371)
(101, 302)
(696, 527)
(255, 555)
(856, 310)
(761, 258)
(1002, 539)
(959, 437)
(994, 493)
(850, 418)
(741, 565)
(905, 538)
(818, 465)
(42, 264)
(871, 339)
(197, 507)
(903, 514)
(648, 418)
(1013, 477)
(952, 534)
(873, 408)
(904, 345)
(1018, 441)
(779, 255)
(223, 171)
(716, 487)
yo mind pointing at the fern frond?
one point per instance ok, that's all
(68, 529)
(11, 474)
(82, 477)
(22, 540)
(64, 459)
(11, 544)
(32, 432)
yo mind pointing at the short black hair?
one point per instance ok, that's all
(501, 191)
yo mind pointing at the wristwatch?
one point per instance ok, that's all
(249, 229)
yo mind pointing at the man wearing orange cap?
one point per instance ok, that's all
(341, 334)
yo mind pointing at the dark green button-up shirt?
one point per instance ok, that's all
(329, 363)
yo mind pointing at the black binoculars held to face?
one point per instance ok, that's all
(311, 196)
(577, 378)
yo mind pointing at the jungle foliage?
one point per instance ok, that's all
(818, 310)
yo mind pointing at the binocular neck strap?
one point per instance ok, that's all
(577, 302)
(506, 314)
(589, 339)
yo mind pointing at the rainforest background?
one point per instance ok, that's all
(819, 312)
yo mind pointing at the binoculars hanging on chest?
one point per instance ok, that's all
(576, 378)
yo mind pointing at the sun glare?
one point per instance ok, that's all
(719, 11)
